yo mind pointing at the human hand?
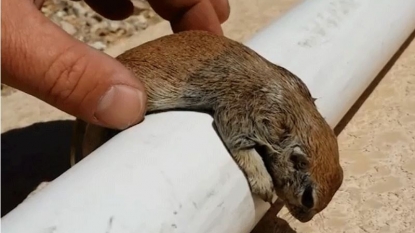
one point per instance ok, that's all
(41, 59)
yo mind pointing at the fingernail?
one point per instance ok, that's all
(120, 107)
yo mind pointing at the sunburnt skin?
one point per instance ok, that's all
(265, 115)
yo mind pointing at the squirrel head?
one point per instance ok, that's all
(300, 152)
(305, 170)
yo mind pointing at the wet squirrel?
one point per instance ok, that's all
(265, 115)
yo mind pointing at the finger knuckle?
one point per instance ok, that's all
(63, 76)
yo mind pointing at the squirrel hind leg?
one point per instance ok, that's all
(95, 136)
(78, 132)
(86, 138)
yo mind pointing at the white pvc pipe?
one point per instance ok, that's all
(171, 173)
(337, 47)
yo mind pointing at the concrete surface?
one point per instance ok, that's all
(377, 145)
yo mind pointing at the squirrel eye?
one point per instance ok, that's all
(307, 198)
(300, 162)
(303, 165)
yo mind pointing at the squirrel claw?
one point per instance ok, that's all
(263, 188)
(267, 197)
(269, 200)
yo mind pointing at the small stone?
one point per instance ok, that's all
(114, 26)
(98, 45)
(60, 14)
(79, 9)
(140, 4)
(142, 21)
(69, 28)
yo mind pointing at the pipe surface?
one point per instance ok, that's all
(172, 173)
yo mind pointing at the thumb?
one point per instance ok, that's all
(42, 60)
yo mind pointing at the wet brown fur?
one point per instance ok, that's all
(265, 115)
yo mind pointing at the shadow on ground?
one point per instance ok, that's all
(270, 223)
(30, 155)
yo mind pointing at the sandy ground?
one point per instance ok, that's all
(377, 145)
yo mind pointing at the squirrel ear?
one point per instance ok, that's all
(299, 159)
(314, 99)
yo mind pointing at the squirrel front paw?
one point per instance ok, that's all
(261, 185)
(259, 179)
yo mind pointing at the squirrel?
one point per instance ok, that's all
(264, 114)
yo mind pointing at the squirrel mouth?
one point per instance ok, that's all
(300, 214)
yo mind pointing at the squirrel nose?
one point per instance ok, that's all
(307, 199)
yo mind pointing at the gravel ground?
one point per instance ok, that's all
(77, 19)
(80, 21)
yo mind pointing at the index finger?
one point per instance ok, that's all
(192, 14)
